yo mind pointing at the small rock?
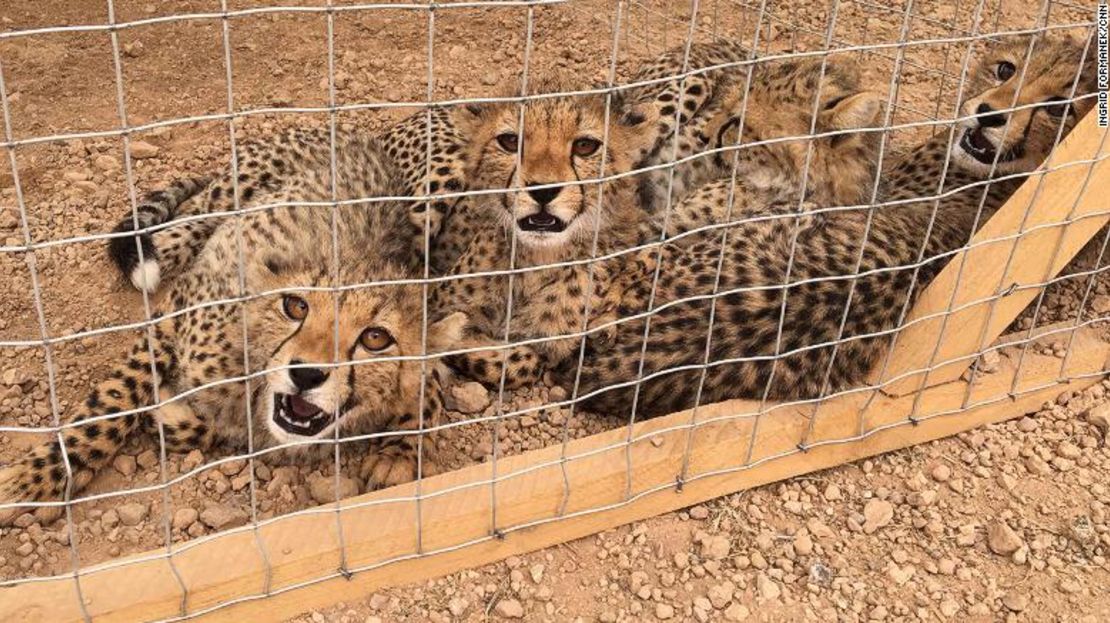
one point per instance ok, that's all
(184, 517)
(458, 606)
(1002, 539)
(832, 493)
(322, 488)
(131, 514)
(1015, 601)
(124, 464)
(737, 612)
(219, 517)
(509, 609)
(1099, 417)
(877, 514)
(1068, 450)
(699, 512)
(537, 572)
(721, 594)
(941, 472)
(803, 545)
(192, 461)
(664, 612)
(105, 162)
(470, 397)
(143, 149)
(768, 588)
(147, 459)
(715, 548)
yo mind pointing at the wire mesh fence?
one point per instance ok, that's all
(641, 209)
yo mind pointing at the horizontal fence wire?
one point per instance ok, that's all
(632, 31)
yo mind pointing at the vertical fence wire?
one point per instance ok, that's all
(833, 12)
(876, 186)
(517, 181)
(674, 139)
(129, 177)
(587, 294)
(684, 471)
(241, 284)
(44, 333)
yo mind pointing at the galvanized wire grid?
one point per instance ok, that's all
(635, 28)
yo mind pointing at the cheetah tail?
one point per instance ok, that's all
(43, 475)
(156, 208)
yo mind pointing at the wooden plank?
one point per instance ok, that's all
(381, 526)
(970, 329)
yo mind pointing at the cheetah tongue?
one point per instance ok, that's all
(980, 142)
(302, 409)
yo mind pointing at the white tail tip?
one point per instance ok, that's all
(146, 276)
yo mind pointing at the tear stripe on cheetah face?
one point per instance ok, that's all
(560, 146)
(284, 251)
(1020, 139)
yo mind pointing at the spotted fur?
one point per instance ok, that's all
(319, 350)
(547, 214)
(268, 167)
(748, 356)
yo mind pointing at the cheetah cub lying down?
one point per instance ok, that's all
(268, 167)
(850, 277)
(315, 352)
(788, 105)
(547, 212)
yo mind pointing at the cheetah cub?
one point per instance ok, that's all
(315, 353)
(791, 103)
(546, 210)
(425, 148)
(834, 316)
(801, 134)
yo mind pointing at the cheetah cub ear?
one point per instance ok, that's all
(446, 333)
(853, 112)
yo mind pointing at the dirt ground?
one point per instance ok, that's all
(1006, 523)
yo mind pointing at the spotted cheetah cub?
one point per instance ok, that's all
(808, 137)
(794, 103)
(424, 147)
(315, 352)
(546, 210)
(834, 315)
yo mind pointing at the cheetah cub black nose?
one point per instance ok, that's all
(988, 118)
(306, 378)
(544, 196)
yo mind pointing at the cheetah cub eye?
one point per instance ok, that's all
(509, 142)
(294, 307)
(1005, 70)
(376, 339)
(585, 147)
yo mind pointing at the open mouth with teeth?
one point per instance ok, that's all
(978, 146)
(542, 223)
(298, 416)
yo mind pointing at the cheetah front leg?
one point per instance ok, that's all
(46, 471)
(411, 453)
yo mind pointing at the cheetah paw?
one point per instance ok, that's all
(391, 466)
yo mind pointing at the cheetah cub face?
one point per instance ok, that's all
(810, 117)
(304, 395)
(562, 141)
(1039, 92)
